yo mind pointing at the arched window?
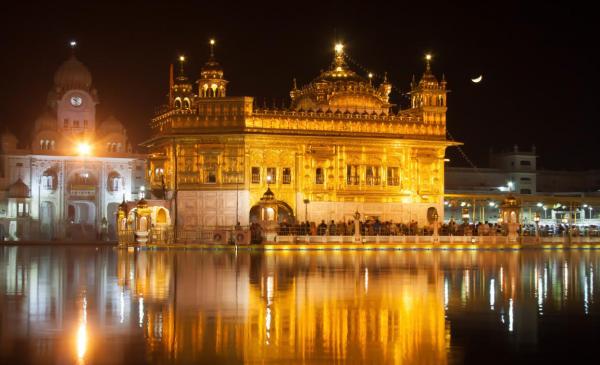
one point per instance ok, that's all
(49, 180)
(177, 103)
(52, 145)
(115, 182)
(186, 103)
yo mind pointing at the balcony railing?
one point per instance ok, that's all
(393, 181)
(373, 180)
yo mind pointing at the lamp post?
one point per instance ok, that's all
(537, 227)
(465, 215)
(306, 201)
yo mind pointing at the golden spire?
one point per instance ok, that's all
(212, 47)
(339, 64)
(428, 62)
(181, 61)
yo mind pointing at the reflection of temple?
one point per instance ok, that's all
(72, 174)
(340, 146)
(141, 306)
(256, 308)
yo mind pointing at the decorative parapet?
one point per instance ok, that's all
(238, 119)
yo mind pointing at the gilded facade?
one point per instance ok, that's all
(339, 148)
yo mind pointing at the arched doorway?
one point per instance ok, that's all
(47, 220)
(284, 213)
(161, 216)
(81, 220)
(111, 217)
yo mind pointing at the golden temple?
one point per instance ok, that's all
(339, 148)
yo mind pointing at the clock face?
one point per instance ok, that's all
(76, 100)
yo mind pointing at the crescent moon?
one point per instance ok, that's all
(478, 79)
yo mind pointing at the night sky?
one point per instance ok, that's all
(540, 73)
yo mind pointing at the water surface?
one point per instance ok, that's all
(88, 305)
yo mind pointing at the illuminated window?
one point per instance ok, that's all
(372, 175)
(256, 175)
(393, 178)
(352, 175)
(287, 175)
(319, 177)
(272, 175)
(211, 177)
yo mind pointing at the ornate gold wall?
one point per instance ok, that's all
(345, 156)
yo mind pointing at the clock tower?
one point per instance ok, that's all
(74, 99)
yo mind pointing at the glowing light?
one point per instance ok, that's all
(446, 294)
(181, 58)
(492, 293)
(540, 205)
(370, 75)
(541, 295)
(122, 308)
(84, 148)
(141, 311)
(510, 184)
(477, 80)
(510, 315)
(73, 44)
(81, 341)
(339, 48)
(212, 42)
(428, 57)
(366, 279)
(81, 336)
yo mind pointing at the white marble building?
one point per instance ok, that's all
(67, 181)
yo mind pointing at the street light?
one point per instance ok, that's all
(306, 201)
(536, 218)
(510, 186)
(84, 148)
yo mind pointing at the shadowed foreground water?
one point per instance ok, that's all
(88, 305)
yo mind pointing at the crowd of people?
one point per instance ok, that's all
(375, 227)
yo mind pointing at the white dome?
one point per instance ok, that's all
(73, 74)
(46, 121)
(111, 125)
(18, 190)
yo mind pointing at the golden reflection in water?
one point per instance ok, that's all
(411, 307)
(294, 309)
(81, 337)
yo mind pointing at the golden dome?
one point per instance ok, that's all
(341, 89)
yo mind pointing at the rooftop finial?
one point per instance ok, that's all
(294, 84)
(181, 61)
(73, 45)
(339, 57)
(428, 62)
(212, 47)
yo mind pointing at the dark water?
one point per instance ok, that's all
(69, 305)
